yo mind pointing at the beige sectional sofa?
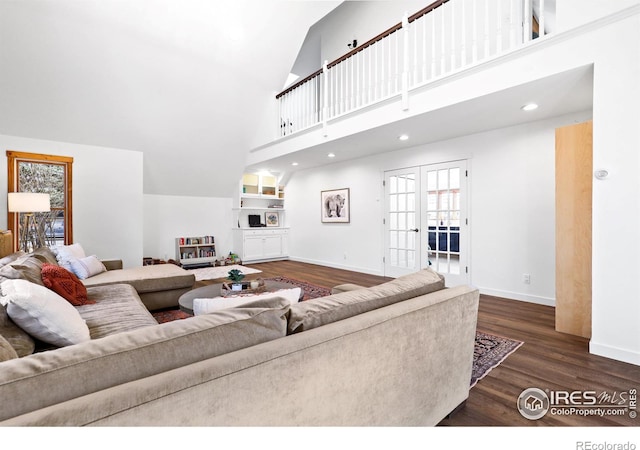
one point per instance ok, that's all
(159, 286)
(396, 354)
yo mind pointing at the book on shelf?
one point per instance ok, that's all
(204, 240)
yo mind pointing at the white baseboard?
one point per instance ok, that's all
(337, 266)
(547, 301)
(619, 354)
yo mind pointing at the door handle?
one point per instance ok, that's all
(415, 229)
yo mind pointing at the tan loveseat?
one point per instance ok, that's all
(396, 354)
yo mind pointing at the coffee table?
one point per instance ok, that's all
(215, 290)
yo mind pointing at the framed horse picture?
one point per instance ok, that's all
(335, 206)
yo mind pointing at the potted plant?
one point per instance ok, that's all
(236, 277)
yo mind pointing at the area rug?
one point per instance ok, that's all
(213, 273)
(489, 351)
(310, 290)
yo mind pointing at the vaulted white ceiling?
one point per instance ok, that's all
(187, 82)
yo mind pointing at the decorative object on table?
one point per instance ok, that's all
(247, 288)
(31, 233)
(335, 206)
(236, 276)
(215, 273)
(272, 219)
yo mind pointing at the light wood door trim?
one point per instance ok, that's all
(574, 185)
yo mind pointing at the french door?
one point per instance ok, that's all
(426, 221)
(402, 235)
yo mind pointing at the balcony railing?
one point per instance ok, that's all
(442, 38)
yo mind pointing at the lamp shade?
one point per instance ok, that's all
(28, 202)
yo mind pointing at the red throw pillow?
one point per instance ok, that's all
(65, 284)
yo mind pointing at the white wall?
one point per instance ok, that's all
(361, 20)
(612, 47)
(573, 13)
(512, 208)
(107, 195)
(168, 217)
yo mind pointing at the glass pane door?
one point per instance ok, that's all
(401, 228)
(444, 217)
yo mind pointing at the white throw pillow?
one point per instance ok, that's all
(44, 314)
(65, 253)
(209, 305)
(87, 267)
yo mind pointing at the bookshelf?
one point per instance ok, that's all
(196, 250)
(261, 196)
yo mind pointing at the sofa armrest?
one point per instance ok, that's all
(112, 264)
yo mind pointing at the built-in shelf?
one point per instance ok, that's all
(196, 250)
(258, 194)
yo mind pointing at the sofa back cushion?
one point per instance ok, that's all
(6, 350)
(46, 255)
(11, 258)
(20, 340)
(321, 311)
(27, 267)
(71, 372)
(43, 313)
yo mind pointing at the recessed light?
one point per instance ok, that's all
(294, 163)
(403, 137)
(529, 107)
(331, 155)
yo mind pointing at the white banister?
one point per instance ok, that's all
(441, 39)
(499, 26)
(474, 20)
(405, 62)
(325, 101)
(541, 19)
(528, 17)
(463, 44)
(452, 6)
(433, 45)
(487, 42)
(512, 24)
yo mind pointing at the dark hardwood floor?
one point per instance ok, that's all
(547, 360)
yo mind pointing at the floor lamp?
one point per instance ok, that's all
(29, 203)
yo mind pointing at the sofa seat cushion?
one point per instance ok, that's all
(159, 277)
(71, 372)
(321, 311)
(116, 308)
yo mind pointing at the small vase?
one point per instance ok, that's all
(236, 287)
